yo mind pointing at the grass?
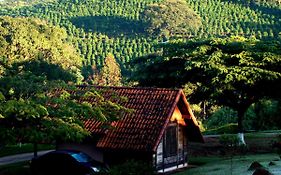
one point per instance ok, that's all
(21, 168)
(23, 148)
(204, 160)
(261, 134)
(232, 166)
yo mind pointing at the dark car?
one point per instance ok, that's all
(66, 163)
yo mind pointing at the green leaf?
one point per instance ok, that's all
(2, 97)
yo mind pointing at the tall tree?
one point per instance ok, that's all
(111, 72)
(234, 72)
(170, 18)
(108, 75)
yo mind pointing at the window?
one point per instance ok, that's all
(171, 141)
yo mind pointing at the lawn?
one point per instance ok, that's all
(225, 165)
(21, 168)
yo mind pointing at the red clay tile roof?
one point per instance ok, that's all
(143, 128)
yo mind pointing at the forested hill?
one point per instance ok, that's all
(99, 27)
(20, 3)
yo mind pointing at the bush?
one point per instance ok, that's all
(229, 140)
(132, 167)
(263, 115)
(231, 128)
(221, 117)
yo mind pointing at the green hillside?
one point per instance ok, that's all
(99, 27)
(21, 3)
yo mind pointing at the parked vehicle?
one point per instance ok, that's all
(66, 162)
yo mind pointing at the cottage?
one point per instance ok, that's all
(157, 131)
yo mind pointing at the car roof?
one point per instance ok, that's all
(66, 151)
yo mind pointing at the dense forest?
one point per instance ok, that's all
(97, 28)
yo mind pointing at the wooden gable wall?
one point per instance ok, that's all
(172, 149)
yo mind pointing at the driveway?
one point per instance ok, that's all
(19, 157)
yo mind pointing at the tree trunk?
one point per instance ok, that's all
(240, 135)
(35, 149)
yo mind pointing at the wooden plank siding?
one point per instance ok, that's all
(164, 158)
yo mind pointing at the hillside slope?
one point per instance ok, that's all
(99, 27)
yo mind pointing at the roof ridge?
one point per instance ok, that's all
(136, 87)
(176, 100)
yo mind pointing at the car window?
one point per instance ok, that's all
(81, 157)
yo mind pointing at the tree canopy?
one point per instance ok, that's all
(108, 75)
(19, 3)
(111, 72)
(170, 18)
(36, 108)
(234, 72)
(37, 103)
(28, 39)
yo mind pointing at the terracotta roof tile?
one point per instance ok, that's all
(141, 129)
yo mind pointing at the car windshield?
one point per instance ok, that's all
(81, 157)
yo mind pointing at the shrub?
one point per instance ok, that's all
(231, 128)
(201, 126)
(263, 115)
(222, 117)
(229, 140)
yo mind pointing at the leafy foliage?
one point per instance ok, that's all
(36, 103)
(26, 39)
(48, 114)
(19, 3)
(221, 117)
(171, 17)
(109, 75)
(235, 71)
(111, 72)
(263, 115)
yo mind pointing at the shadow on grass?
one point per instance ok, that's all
(275, 11)
(110, 25)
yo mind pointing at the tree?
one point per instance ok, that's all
(234, 72)
(36, 109)
(111, 72)
(170, 18)
(28, 39)
(263, 115)
(109, 75)
(37, 103)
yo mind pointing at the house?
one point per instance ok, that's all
(157, 131)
